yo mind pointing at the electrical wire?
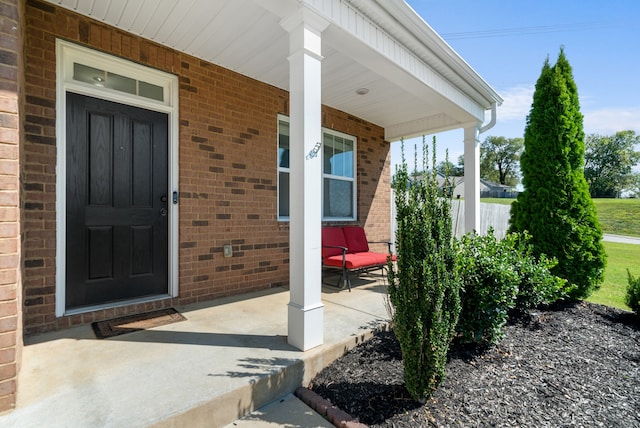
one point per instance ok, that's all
(520, 31)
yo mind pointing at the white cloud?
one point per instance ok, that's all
(608, 121)
(517, 103)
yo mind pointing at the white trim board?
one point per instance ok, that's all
(66, 54)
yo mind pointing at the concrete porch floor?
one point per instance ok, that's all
(228, 358)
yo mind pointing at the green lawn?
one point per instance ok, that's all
(501, 201)
(617, 217)
(620, 257)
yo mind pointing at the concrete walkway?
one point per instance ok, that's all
(621, 239)
(289, 411)
(229, 358)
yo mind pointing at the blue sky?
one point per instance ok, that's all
(507, 42)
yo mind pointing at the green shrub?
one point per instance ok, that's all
(423, 285)
(632, 298)
(490, 287)
(537, 285)
(498, 277)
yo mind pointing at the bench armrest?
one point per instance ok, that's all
(344, 249)
(344, 253)
(389, 244)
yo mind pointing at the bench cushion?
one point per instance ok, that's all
(332, 236)
(357, 261)
(356, 239)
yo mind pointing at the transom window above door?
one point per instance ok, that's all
(106, 79)
(83, 70)
(338, 154)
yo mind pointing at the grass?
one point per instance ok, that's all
(501, 201)
(620, 257)
(619, 216)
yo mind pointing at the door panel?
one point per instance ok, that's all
(142, 250)
(100, 252)
(117, 222)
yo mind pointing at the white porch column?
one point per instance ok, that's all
(305, 310)
(471, 180)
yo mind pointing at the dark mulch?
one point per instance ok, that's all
(572, 365)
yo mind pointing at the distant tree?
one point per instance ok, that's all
(555, 206)
(499, 158)
(609, 162)
(447, 168)
(634, 186)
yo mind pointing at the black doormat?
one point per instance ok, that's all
(131, 323)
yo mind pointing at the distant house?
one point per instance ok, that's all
(488, 189)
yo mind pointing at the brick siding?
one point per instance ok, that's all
(10, 272)
(228, 171)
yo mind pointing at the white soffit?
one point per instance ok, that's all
(417, 84)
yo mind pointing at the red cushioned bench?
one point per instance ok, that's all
(347, 248)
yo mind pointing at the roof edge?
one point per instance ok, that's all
(406, 18)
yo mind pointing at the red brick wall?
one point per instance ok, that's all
(10, 272)
(228, 171)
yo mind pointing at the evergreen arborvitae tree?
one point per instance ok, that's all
(424, 285)
(555, 206)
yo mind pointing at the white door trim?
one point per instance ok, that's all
(66, 54)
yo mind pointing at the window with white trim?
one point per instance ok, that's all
(338, 174)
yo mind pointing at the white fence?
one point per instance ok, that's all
(491, 215)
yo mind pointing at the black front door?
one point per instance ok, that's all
(117, 219)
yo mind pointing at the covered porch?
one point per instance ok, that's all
(373, 70)
(228, 358)
(377, 61)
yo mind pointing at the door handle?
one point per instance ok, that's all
(163, 212)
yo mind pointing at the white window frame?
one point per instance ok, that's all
(66, 54)
(353, 179)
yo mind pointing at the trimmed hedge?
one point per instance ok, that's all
(500, 277)
(632, 297)
(423, 284)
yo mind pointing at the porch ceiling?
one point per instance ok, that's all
(417, 83)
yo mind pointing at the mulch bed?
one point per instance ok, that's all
(572, 365)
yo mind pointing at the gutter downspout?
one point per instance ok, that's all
(472, 172)
(492, 122)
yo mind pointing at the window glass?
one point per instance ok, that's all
(283, 194)
(337, 199)
(283, 145)
(338, 156)
(95, 76)
(121, 83)
(84, 73)
(148, 90)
